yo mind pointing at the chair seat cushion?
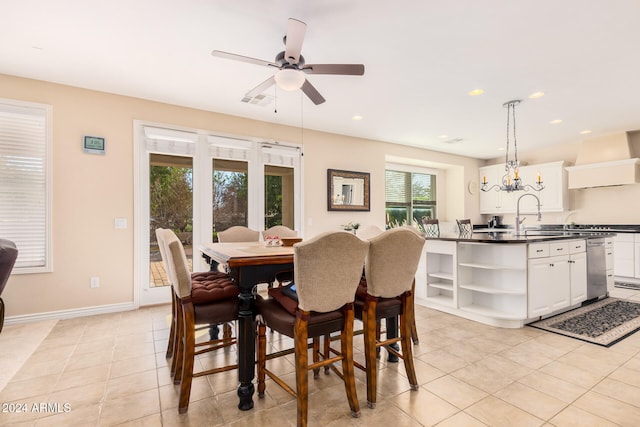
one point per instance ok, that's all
(221, 311)
(361, 292)
(386, 307)
(210, 286)
(276, 317)
(288, 303)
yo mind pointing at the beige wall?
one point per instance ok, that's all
(89, 191)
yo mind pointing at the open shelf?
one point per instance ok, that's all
(488, 289)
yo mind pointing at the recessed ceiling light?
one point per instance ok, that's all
(584, 132)
(555, 122)
(501, 148)
(443, 136)
(535, 95)
(476, 92)
(356, 117)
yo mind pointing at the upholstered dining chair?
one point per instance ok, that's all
(431, 227)
(199, 301)
(280, 231)
(238, 233)
(175, 318)
(464, 226)
(390, 268)
(368, 231)
(328, 268)
(8, 256)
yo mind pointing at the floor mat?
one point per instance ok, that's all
(604, 322)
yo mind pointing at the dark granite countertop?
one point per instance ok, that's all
(532, 236)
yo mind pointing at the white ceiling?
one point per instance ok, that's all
(421, 59)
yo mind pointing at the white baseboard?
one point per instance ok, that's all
(68, 314)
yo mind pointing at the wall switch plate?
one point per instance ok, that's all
(94, 282)
(120, 223)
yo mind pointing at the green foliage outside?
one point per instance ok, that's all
(171, 198)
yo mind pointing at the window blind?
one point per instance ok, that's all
(398, 187)
(24, 190)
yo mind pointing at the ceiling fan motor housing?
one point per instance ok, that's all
(284, 63)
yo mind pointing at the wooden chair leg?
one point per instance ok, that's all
(327, 351)
(300, 335)
(414, 328)
(172, 332)
(262, 357)
(189, 338)
(407, 351)
(371, 334)
(316, 355)
(226, 331)
(414, 331)
(176, 363)
(346, 342)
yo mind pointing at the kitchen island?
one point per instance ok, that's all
(503, 279)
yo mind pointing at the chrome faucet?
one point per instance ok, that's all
(518, 221)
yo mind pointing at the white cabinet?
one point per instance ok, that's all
(623, 255)
(578, 277)
(441, 272)
(557, 276)
(492, 280)
(609, 262)
(636, 257)
(552, 199)
(495, 201)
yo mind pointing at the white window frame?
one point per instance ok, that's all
(45, 111)
(416, 169)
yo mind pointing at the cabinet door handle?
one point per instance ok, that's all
(551, 265)
(538, 250)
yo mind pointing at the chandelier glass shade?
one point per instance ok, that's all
(511, 180)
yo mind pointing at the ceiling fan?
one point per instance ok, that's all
(292, 67)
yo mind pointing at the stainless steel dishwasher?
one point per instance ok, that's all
(596, 269)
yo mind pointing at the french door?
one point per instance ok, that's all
(197, 185)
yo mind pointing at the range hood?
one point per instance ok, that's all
(606, 161)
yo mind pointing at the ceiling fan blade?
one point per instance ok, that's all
(343, 69)
(261, 87)
(293, 41)
(233, 56)
(312, 93)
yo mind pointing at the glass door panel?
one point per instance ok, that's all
(230, 194)
(171, 207)
(279, 205)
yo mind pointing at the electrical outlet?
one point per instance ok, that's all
(95, 282)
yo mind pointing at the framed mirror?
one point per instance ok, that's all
(347, 190)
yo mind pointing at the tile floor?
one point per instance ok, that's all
(110, 370)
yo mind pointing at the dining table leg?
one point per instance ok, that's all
(247, 350)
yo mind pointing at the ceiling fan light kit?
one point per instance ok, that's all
(291, 66)
(289, 79)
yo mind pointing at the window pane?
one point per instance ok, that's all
(23, 183)
(409, 197)
(230, 194)
(171, 207)
(278, 196)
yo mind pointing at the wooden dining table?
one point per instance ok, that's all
(248, 264)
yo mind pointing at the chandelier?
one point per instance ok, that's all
(511, 180)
